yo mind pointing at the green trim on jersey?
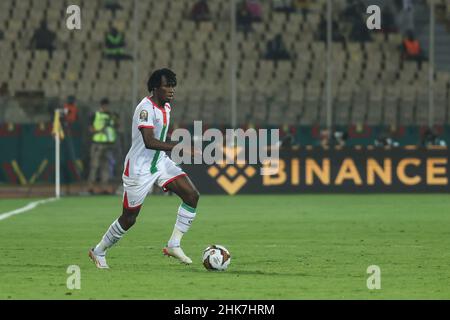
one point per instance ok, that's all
(162, 137)
(188, 208)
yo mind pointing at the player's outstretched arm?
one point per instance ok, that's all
(152, 143)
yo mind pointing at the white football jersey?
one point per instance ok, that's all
(139, 159)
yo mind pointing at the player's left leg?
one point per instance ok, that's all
(185, 189)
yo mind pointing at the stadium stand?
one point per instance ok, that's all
(372, 85)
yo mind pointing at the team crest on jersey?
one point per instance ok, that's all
(143, 116)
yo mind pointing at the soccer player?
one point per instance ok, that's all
(147, 164)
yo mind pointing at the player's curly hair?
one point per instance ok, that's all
(155, 78)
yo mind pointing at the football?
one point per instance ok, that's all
(216, 257)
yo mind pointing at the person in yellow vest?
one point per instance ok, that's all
(104, 136)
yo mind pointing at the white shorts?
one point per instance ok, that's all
(135, 189)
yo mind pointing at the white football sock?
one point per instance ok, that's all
(111, 237)
(186, 215)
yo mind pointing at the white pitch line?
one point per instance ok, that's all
(28, 207)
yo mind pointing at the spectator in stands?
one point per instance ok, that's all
(4, 92)
(283, 6)
(359, 31)
(354, 10)
(302, 6)
(442, 15)
(255, 10)
(354, 15)
(200, 11)
(112, 5)
(407, 15)
(288, 142)
(398, 4)
(411, 49)
(325, 138)
(11, 111)
(430, 138)
(70, 110)
(243, 18)
(276, 49)
(385, 141)
(115, 45)
(389, 24)
(322, 32)
(43, 38)
(340, 138)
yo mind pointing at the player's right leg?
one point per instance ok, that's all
(114, 233)
(116, 230)
(133, 197)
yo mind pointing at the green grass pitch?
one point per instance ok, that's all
(282, 247)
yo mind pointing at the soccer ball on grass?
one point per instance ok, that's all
(216, 257)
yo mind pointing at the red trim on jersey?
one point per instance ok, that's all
(126, 205)
(164, 117)
(162, 109)
(146, 127)
(127, 169)
(155, 105)
(171, 180)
